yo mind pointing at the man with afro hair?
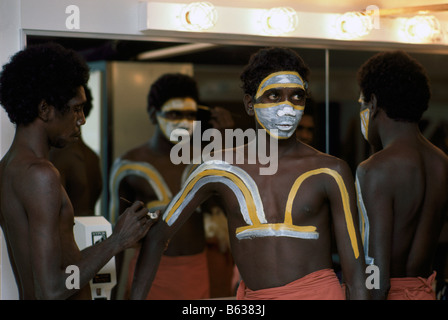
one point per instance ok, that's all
(41, 89)
(402, 186)
(147, 173)
(280, 223)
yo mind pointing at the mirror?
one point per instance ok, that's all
(120, 87)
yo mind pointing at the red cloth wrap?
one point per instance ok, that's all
(412, 288)
(318, 285)
(179, 278)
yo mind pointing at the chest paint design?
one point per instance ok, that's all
(123, 168)
(250, 202)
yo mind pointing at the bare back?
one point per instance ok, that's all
(406, 203)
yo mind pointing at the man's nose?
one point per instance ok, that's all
(286, 111)
(82, 120)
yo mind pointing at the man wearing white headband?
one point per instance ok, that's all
(148, 174)
(280, 225)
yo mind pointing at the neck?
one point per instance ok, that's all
(160, 143)
(33, 138)
(397, 131)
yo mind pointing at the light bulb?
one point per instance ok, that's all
(352, 25)
(279, 21)
(198, 16)
(421, 29)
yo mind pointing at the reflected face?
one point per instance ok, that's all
(365, 117)
(177, 114)
(279, 103)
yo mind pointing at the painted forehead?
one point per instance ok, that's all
(180, 104)
(285, 79)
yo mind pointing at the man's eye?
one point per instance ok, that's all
(273, 95)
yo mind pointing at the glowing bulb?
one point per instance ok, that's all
(278, 21)
(352, 25)
(421, 29)
(199, 16)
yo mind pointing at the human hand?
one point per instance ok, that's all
(133, 224)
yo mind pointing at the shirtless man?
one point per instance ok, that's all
(146, 173)
(41, 89)
(279, 224)
(403, 183)
(80, 170)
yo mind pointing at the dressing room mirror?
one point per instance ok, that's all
(122, 72)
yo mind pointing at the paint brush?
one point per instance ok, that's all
(152, 215)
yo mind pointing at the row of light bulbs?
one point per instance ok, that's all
(201, 16)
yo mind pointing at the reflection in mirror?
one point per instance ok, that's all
(125, 80)
(346, 140)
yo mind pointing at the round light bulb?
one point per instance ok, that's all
(198, 16)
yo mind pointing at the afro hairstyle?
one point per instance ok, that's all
(270, 60)
(399, 82)
(46, 72)
(171, 85)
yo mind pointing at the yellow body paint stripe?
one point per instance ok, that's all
(260, 91)
(344, 197)
(251, 208)
(277, 226)
(150, 175)
(270, 105)
(278, 85)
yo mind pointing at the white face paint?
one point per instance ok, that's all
(282, 117)
(365, 117)
(177, 123)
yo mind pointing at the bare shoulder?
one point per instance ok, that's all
(41, 175)
(323, 160)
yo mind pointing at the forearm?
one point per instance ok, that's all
(147, 265)
(95, 257)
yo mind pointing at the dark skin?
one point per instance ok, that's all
(404, 187)
(266, 262)
(79, 167)
(190, 240)
(37, 217)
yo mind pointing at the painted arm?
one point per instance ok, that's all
(379, 209)
(345, 218)
(156, 241)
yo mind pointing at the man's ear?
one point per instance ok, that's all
(248, 104)
(44, 111)
(374, 105)
(152, 115)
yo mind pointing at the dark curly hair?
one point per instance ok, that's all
(47, 72)
(89, 101)
(270, 60)
(399, 83)
(171, 85)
